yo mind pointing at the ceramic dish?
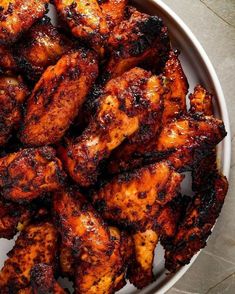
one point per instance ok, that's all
(198, 69)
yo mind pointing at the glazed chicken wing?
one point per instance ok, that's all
(196, 225)
(43, 280)
(57, 98)
(95, 247)
(133, 199)
(37, 243)
(17, 16)
(27, 174)
(113, 11)
(140, 41)
(129, 107)
(13, 93)
(85, 19)
(140, 270)
(40, 47)
(7, 61)
(201, 101)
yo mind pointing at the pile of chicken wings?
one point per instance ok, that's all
(95, 140)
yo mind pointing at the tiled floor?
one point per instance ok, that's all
(213, 22)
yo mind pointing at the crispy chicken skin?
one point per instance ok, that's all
(140, 41)
(43, 281)
(17, 16)
(133, 199)
(96, 247)
(201, 101)
(175, 99)
(40, 47)
(7, 61)
(113, 11)
(129, 103)
(57, 98)
(196, 225)
(84, 18)
(140, 270)
(12, 217)
(37, 243)
(13, 93)
(182, 142)
(26, 174)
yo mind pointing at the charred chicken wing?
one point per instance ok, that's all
(133, 199)
(37, 243)
(40, 47)
(196, 225)
(128, 104)
(26, 174)
(57, 98)
(17, 16)
(12, 95)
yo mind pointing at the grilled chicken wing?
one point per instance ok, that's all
(140, 41)
(57, 98)
(140, 270)
(7, 61)
(43, 281)
(85, 19)
(37, 243)
(182, 142)
(12, 95)
(129, 103)
(26, 174)
(201, 101)
(95, 246)
(196, 225)
(133, 199)
(17, 16)
(113, 11)
(40, 47)
(12, 218)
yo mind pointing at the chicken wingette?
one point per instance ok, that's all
(113, 11)
(197, 224)
(140, 270)
(99, 261)
(13, 93)
(37, 243)
(57, 98)
(85, 20)
(129, 104)
(142, 40)
(174, 99)
(40, 47)
(182, 142)
(17, 16)
(133, 199)
(29, 173)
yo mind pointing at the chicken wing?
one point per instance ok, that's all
(40, 47)
(182, 142)
(196, 225)
(140, 41)
(7, 61)
(13, 93)
(113, 11)
(17, 16)
(26, 174)
(129, 103)
(43, 281)
(57, 98)
(95, 246)
(12, 218)
(133, 199)
(140, 270)
(85, 20)
(37, 243)
(201, 101)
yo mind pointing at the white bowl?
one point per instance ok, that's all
(198, 69)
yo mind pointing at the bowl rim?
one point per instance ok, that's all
(225, 168)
